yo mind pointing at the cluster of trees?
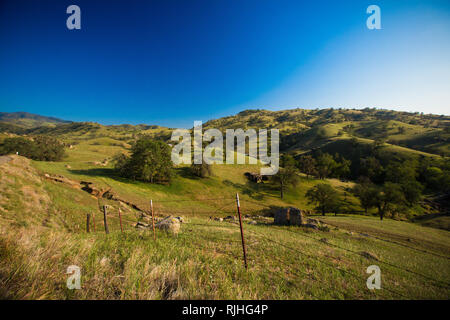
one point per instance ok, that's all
(387, 184)
(324, 165)
(400, 185)
(322, 195)
(390, 197)
(42, 148)
(150, 161)
(387, 181)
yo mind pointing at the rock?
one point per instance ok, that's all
(68, 166)
(369, 255)
(169, 224)
(289, 216)
(253, 222)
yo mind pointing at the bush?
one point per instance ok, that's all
(41, 148)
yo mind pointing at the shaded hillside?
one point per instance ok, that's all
(28, 120)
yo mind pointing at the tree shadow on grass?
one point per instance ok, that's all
(95, 172)
(184, 172)
(105, 173)
(250, 189)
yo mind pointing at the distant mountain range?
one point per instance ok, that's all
(29, 120)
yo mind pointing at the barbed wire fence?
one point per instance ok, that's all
(128, 221)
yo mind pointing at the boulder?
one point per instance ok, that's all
(289, 216)
(169, 224)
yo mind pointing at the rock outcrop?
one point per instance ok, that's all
(169, 224)
(289, 216)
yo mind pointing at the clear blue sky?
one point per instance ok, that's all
(172, 62)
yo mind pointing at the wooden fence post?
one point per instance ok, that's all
(93, 220)
(242, 231)
(88, 218)
(104, 220)
(153, 220)
(120, 219)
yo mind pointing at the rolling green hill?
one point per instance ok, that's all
(43, 209)
(300, 129)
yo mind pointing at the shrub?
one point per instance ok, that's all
(41, 148)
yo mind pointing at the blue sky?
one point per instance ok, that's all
(172, 62)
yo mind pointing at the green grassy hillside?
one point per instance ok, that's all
(43, 211)
(42, 232)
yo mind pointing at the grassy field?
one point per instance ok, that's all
(42, 232)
